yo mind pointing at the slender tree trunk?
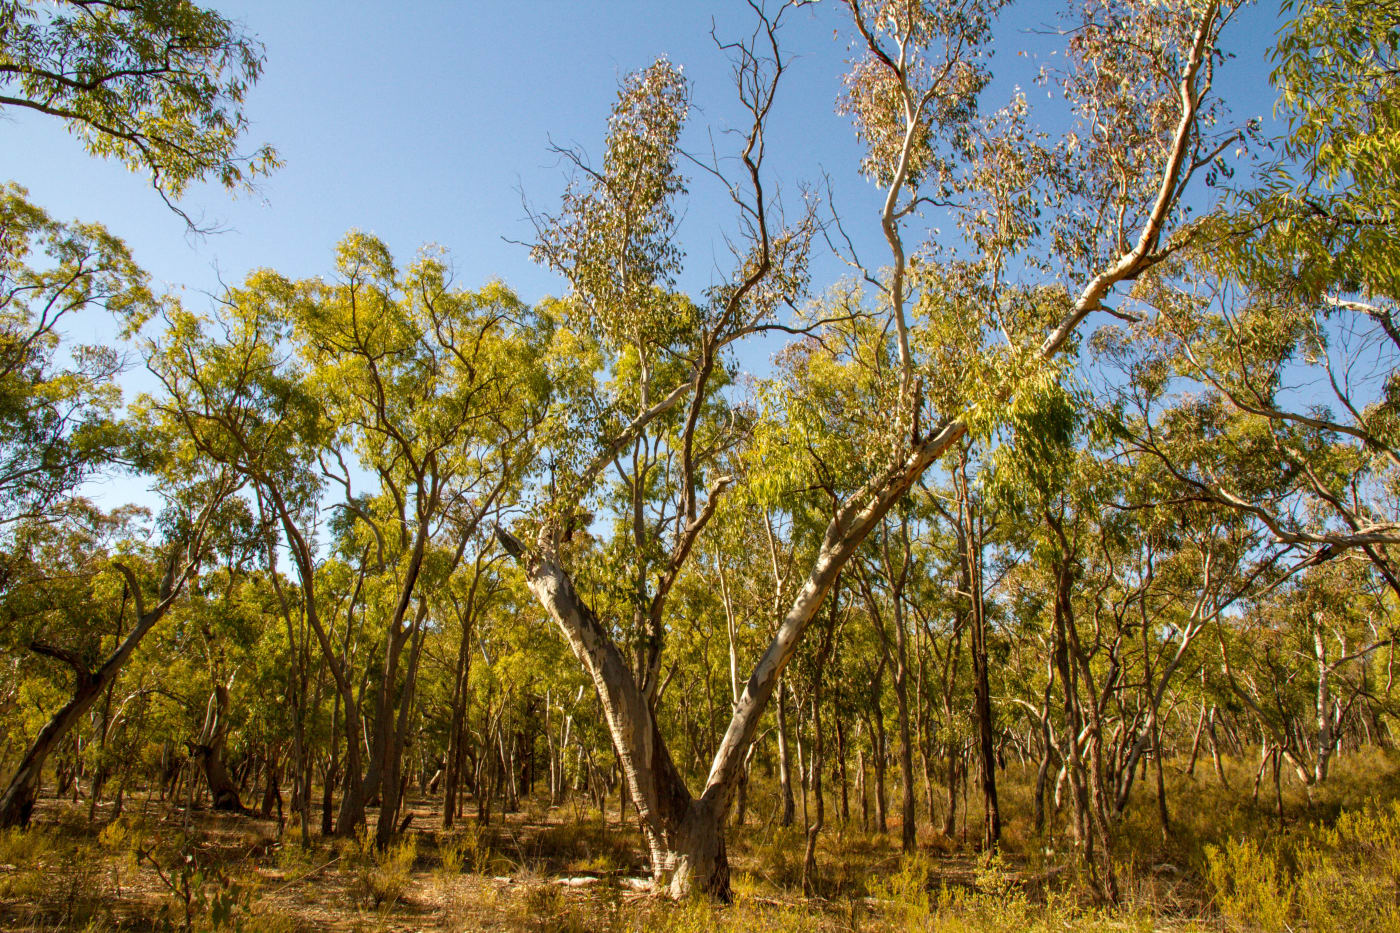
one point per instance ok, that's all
(841, 771)
(864, 797)
(332, 773)
(784, 759)
(1048, 743)
(983, 704)
(1215, 750)
(1196, 743)
(810, 882)
(391, 796)
(879, 754)
(1163, 815)
(952, 786)
(1326, 739)
(814, 828)
(297, 684)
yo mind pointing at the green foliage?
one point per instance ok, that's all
(902, 87)
(615, 236)
(156, 84)
(1335, 71)
(58, 402)
(381, 877)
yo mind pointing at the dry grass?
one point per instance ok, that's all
(1227, 865)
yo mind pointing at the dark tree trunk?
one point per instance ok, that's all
(223, 792)
(784, 759)
(17, 802)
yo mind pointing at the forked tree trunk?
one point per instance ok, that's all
(685, 834)
(223, 792)
(209, 751)
(391, 796)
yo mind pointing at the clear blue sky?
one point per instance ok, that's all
(424, 122)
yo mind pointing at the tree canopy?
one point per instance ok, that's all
(1089, 475)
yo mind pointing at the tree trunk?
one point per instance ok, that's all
(17, 803)
(879, 754)
(209, 751)
(982, 693)
(953, 775)
(784, 759)
(685, 836)
(841, 770)
(391, 796)
(814, 828)
(223, 792)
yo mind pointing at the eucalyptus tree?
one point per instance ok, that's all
(424, 387)
(913, 96)
(160, 86)
(1294, 428)
(236, 398)
(62, 408)
(650, 398)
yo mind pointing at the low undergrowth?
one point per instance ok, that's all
(1226, 864)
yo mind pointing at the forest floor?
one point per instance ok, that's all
(1332, 864)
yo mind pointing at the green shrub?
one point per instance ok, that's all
(1250, 891)
(381, 877)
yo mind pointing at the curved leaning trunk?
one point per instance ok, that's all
(17, 803)
(684, 836)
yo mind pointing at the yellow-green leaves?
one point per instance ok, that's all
(1333, 204)
(57, 400)
(156, 84)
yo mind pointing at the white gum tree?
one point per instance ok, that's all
(1143, 125)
